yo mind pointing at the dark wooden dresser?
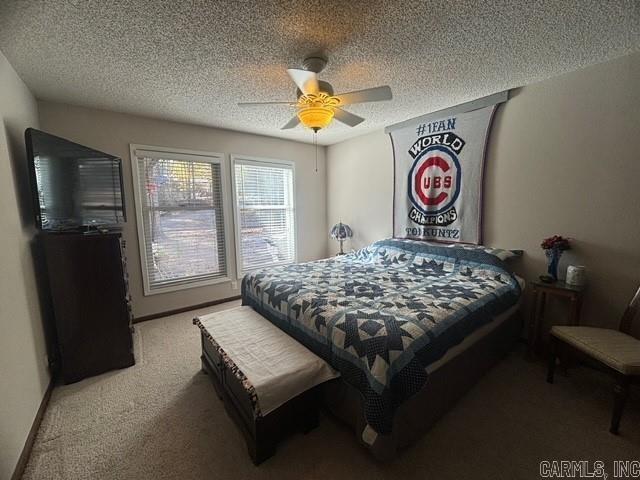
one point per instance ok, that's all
(88, 284)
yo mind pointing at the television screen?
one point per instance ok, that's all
(74, 187)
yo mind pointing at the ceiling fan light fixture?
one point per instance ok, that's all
(316, 105)
(315, 118)
(315, 110)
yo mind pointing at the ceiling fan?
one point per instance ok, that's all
(316, 103)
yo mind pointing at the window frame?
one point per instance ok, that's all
(210, 157)
(260, 161)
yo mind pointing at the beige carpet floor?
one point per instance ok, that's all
(161, 420)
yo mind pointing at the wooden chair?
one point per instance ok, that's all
(615, 350)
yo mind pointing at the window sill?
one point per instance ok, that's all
(184, 286)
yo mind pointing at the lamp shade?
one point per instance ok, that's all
(341, 231)
(315, 117)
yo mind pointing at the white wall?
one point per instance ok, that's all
(23, 372)
(113, 132)
(360, 188)
(564, 157)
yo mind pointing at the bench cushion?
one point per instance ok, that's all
(613, 348)
(273, 367)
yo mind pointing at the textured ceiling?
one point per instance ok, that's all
(193, 60)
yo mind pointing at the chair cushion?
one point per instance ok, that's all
(613, 348)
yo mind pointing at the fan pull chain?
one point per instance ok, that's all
(315, 142)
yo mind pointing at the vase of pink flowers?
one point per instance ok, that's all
(553, 248)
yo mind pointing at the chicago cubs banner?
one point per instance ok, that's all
(438, 164)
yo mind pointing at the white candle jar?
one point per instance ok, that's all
(576, 275)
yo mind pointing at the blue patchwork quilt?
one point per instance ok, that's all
(382, 314)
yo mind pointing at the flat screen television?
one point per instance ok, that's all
(75, 188)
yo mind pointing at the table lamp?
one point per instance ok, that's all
(341, 231)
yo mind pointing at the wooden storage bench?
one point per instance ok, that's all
(266, 379)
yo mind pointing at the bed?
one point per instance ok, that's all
(409, 325)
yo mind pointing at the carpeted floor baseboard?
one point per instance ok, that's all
(161, 420)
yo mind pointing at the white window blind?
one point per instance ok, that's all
(181, 219)
(265, 214)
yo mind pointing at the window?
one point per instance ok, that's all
(264, 213)
(181, 220)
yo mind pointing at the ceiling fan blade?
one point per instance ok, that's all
(376, 94)
(254, 104)
(291, 123)
(306, 81)
(347, 118)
